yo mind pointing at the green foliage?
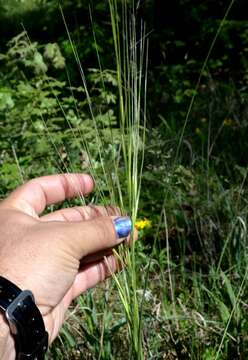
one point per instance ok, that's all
(46, 121)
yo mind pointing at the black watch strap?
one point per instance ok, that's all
(25, 321)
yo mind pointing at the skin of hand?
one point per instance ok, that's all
(45, 254)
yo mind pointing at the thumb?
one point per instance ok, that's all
(91, 236)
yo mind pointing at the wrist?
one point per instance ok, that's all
(7, 346)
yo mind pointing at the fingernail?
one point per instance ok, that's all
(123, 226)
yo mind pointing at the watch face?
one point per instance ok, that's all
(19, 310)
(8, 293)
(25, 321)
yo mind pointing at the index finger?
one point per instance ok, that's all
(33, 197)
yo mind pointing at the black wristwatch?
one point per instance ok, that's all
(25, 321)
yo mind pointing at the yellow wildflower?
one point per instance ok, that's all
(203, 120)
(228, 122)
(142, 224)
(198, 131)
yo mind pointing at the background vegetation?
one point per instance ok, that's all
(193, 204)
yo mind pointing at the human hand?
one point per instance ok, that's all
(45, 254)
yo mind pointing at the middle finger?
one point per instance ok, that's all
(79, 213)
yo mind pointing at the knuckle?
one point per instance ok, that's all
(105, 231)
(113, 210)
(65, 185)
(101, 272)
(83, 212)
(93, 211)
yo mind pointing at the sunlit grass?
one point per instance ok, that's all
(124, 181)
